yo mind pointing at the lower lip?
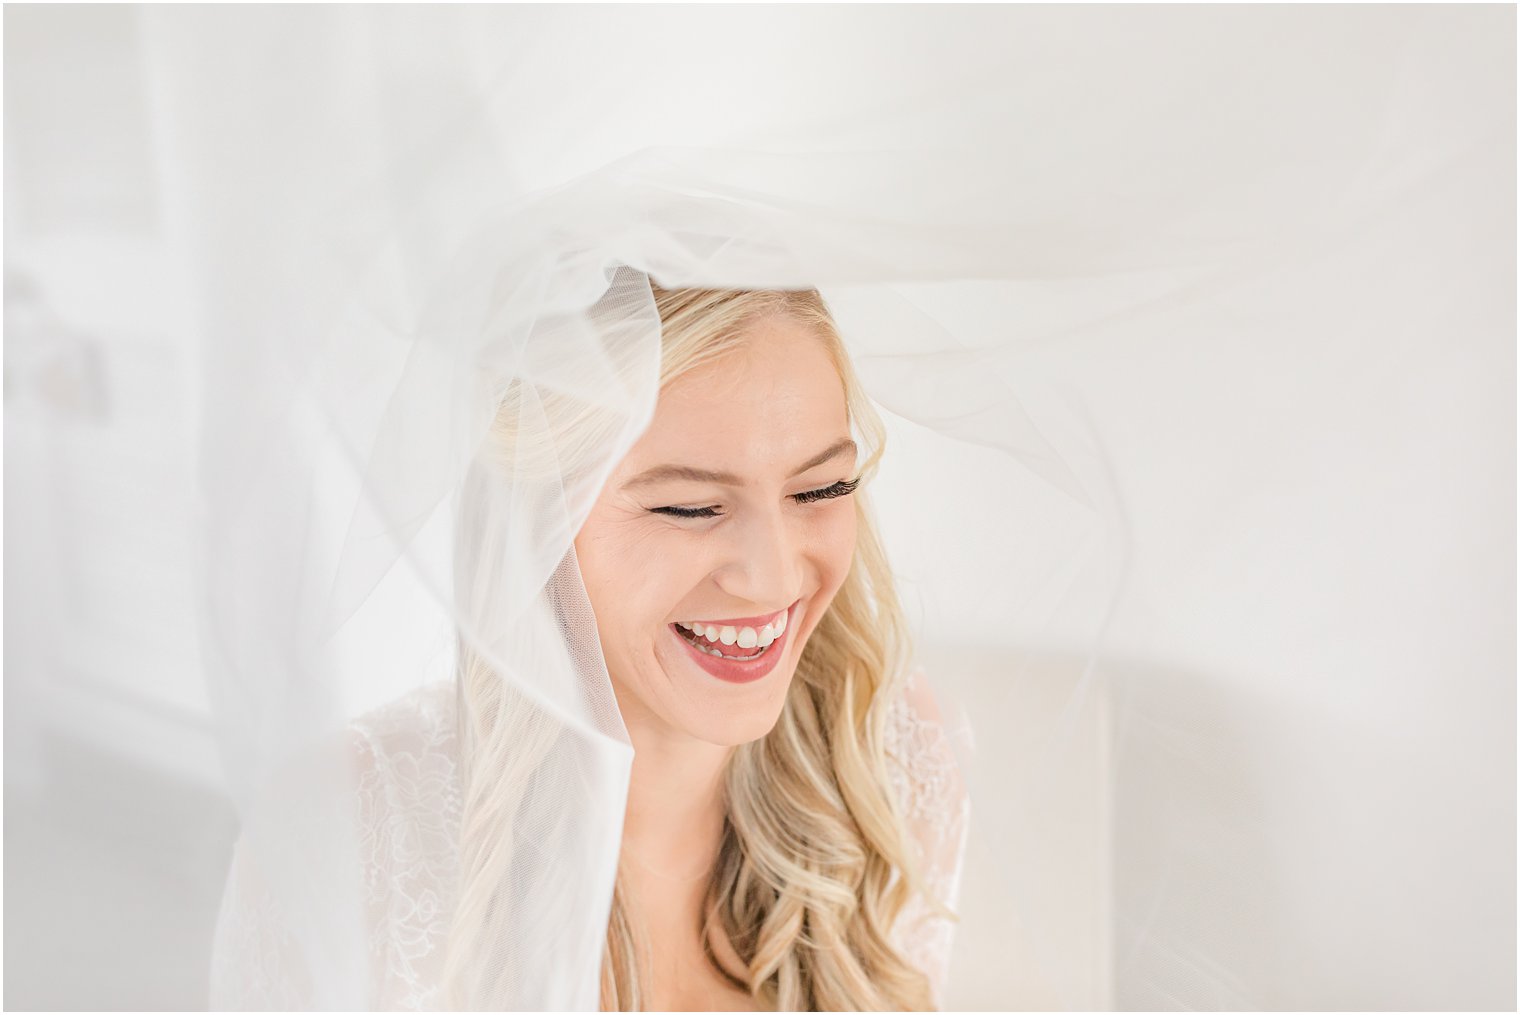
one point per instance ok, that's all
(738, 671)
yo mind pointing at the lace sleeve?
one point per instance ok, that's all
(402, 806)
(934, 798)
(409, 806)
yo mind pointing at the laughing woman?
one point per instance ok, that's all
(794, 814)
(752, 634)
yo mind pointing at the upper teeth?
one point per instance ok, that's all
(744, 637)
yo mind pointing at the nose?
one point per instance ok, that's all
(765, 561)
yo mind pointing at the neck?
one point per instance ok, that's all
(674, 821)
(672, 831)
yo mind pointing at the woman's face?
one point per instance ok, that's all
(765, 415)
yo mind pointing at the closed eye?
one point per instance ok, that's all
(843, 488)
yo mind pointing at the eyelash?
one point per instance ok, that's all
(841, 489)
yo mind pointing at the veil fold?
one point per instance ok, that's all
(1194, 331)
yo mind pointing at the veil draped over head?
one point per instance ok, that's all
(1193, 329)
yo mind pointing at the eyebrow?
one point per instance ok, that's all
(666, 473)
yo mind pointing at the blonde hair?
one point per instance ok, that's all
(803, 888)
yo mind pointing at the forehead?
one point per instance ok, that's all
(775, 399)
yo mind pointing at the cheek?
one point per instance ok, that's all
(589, 557)
(628, 573)
(604, 564)
(836, 544)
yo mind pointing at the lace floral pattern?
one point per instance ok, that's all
(409, 814)
(928, 783)
(409, 811)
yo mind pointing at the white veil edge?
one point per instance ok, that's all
(1195, 328)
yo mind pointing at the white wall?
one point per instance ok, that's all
(1275, 771)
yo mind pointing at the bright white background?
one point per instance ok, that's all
(1359, 571)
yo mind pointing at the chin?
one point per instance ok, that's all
(736, 723)
(740, 730)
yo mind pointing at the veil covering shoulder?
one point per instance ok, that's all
(1193, 328)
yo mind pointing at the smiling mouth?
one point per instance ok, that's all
(711, 648)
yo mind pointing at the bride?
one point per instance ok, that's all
(794, 814)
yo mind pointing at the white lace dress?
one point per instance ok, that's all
(409, 811)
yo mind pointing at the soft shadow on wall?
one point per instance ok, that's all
(1160, 838)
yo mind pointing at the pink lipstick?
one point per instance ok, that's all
(717, 658)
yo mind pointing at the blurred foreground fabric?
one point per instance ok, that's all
(1196, 329)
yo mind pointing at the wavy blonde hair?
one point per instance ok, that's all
(803, 888)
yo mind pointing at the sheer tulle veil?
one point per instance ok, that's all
(1193, 334)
